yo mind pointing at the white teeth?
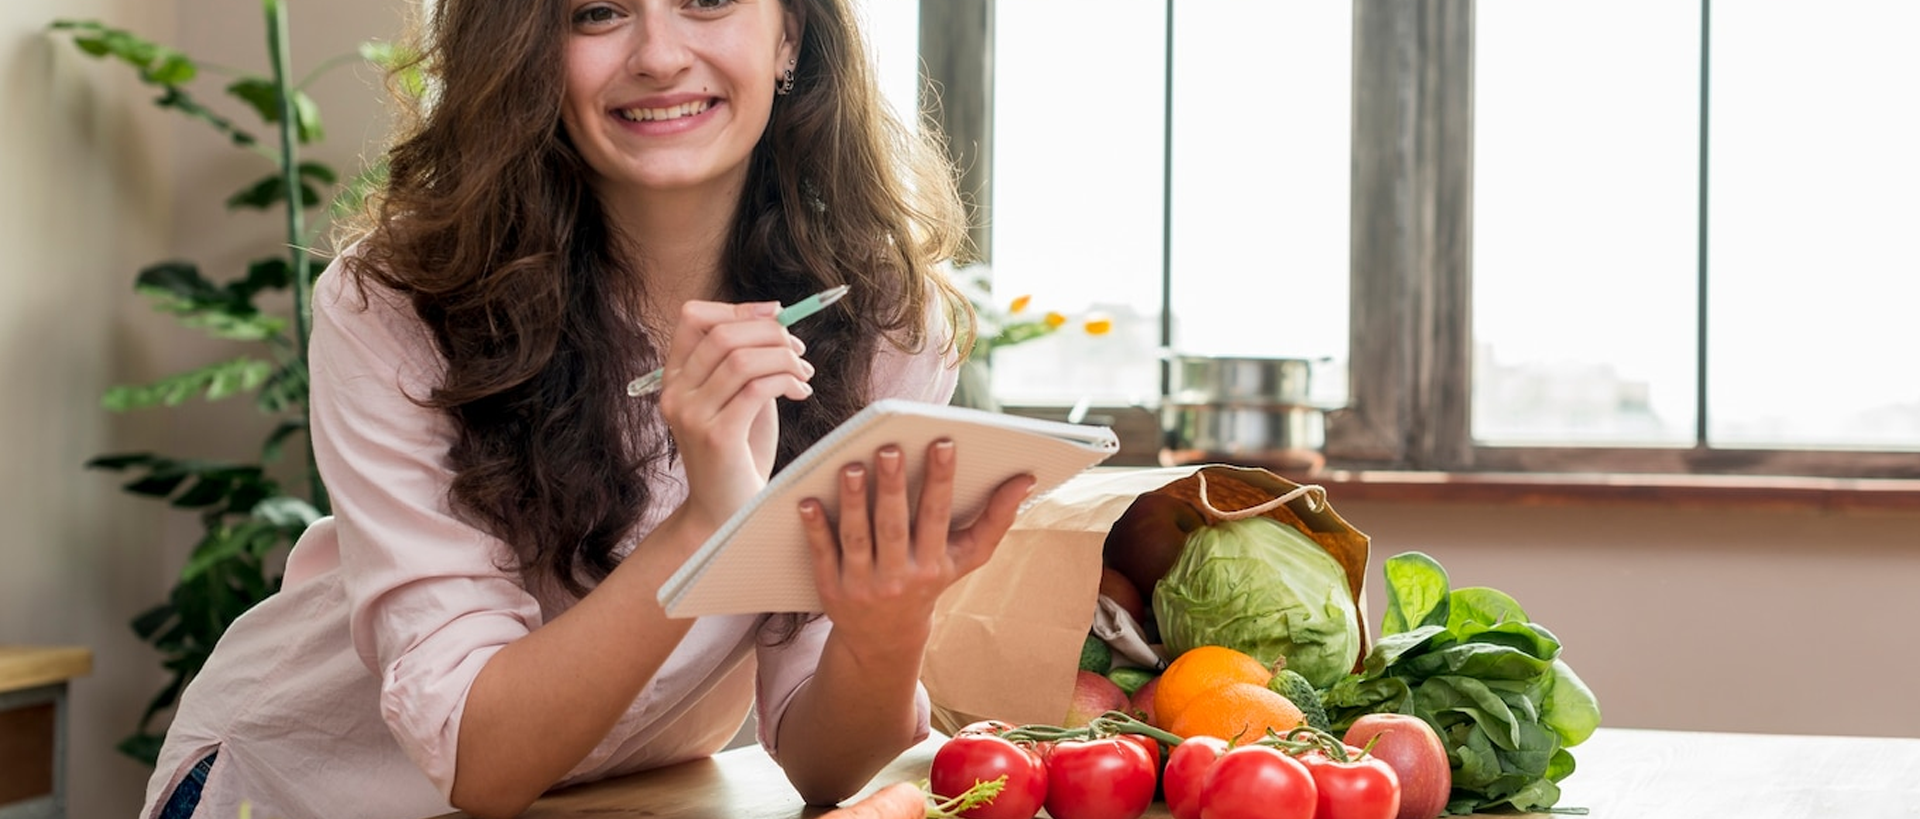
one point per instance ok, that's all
(685, 109)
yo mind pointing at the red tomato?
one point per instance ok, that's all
(1186, 770)
(1109, 778)
(1363, 788)
(1413, 750)
(969, 758)
(1148, 744)
(1257, 782)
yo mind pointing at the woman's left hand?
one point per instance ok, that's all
(879, 567)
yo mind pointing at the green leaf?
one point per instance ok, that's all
(177, 280)
(286, 512)
(185, 103)
(122, 461)
(1479, 605)
(1416, 593)
(259, 94)
(1570, 708)
(155, 63)
(318, 172)
(1390, 649)
(1485, 661)
(219, 545)
(286, 389)
(306, 116)
(152, 620)
(271, 273)
(143, 747)
(243, 373)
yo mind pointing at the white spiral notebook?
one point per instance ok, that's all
(759, 560)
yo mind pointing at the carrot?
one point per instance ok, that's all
(906, 800)
(901, 800)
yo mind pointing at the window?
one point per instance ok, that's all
(1635, 236)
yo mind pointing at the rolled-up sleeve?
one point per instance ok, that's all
(432, 598)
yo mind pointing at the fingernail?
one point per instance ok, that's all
(799, 347)
(889, 460)
(766, 309)
(807, 367)
(809, 510)
(856, 477)
(943, 452)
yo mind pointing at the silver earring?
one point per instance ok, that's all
(786, 79)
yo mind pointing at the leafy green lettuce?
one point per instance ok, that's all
(1489, 681)
(1264, 588)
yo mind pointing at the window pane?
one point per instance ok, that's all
(1078, 135)
(1815, 146)
(1586, 179)
(893, 35)
(1263, 109)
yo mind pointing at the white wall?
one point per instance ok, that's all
(98, 184)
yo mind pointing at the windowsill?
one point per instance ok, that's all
(1139, 434)
(1831, 495)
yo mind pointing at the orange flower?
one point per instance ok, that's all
(1019, 304)
(1055, 320)
(1098, 325)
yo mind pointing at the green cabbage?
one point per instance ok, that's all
(1262, 587)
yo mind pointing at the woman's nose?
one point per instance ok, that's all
(660, 45)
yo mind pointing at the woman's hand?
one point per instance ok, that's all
(879, 569)
(725, 366)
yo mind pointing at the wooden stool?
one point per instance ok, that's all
(33, 728)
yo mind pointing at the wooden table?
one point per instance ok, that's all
(1625, 773)
(33, 728)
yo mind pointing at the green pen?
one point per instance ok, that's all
(650, 383)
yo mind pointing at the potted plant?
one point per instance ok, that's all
(248, 517)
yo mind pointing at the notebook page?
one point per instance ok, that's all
(759, 560)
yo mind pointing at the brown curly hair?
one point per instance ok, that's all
(488, 225)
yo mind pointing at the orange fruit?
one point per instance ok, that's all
(1237, 712)
(1201, 669)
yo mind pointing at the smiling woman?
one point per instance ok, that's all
(601, 188)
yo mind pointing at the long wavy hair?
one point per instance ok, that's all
(489, 226)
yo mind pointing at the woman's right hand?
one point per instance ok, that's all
(725, 366)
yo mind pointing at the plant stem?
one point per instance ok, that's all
(278, 46)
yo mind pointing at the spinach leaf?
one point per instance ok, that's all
(1489, 680)
(1570, 707)
(1416, 593)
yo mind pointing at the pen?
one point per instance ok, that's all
(650, 383)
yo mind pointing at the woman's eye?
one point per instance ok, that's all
(709, 5)
(594, 15)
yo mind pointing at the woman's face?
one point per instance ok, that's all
(672, 94)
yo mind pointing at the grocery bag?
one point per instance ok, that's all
(1006, 639)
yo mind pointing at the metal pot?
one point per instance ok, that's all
(1246, 411)
(1208, 380)
(1277, 436)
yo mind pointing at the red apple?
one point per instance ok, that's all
(1116, 587)
(1141, 704)
(1093, 695)
(1411, 748)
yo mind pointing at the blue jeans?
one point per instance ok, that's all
(186, 795)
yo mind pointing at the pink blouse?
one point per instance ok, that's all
(342, 694)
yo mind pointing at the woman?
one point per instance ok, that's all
(600, 187)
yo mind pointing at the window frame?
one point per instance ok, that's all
(1410, 345)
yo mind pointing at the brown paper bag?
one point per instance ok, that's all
(1006, 639)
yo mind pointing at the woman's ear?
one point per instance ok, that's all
(794, 28)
